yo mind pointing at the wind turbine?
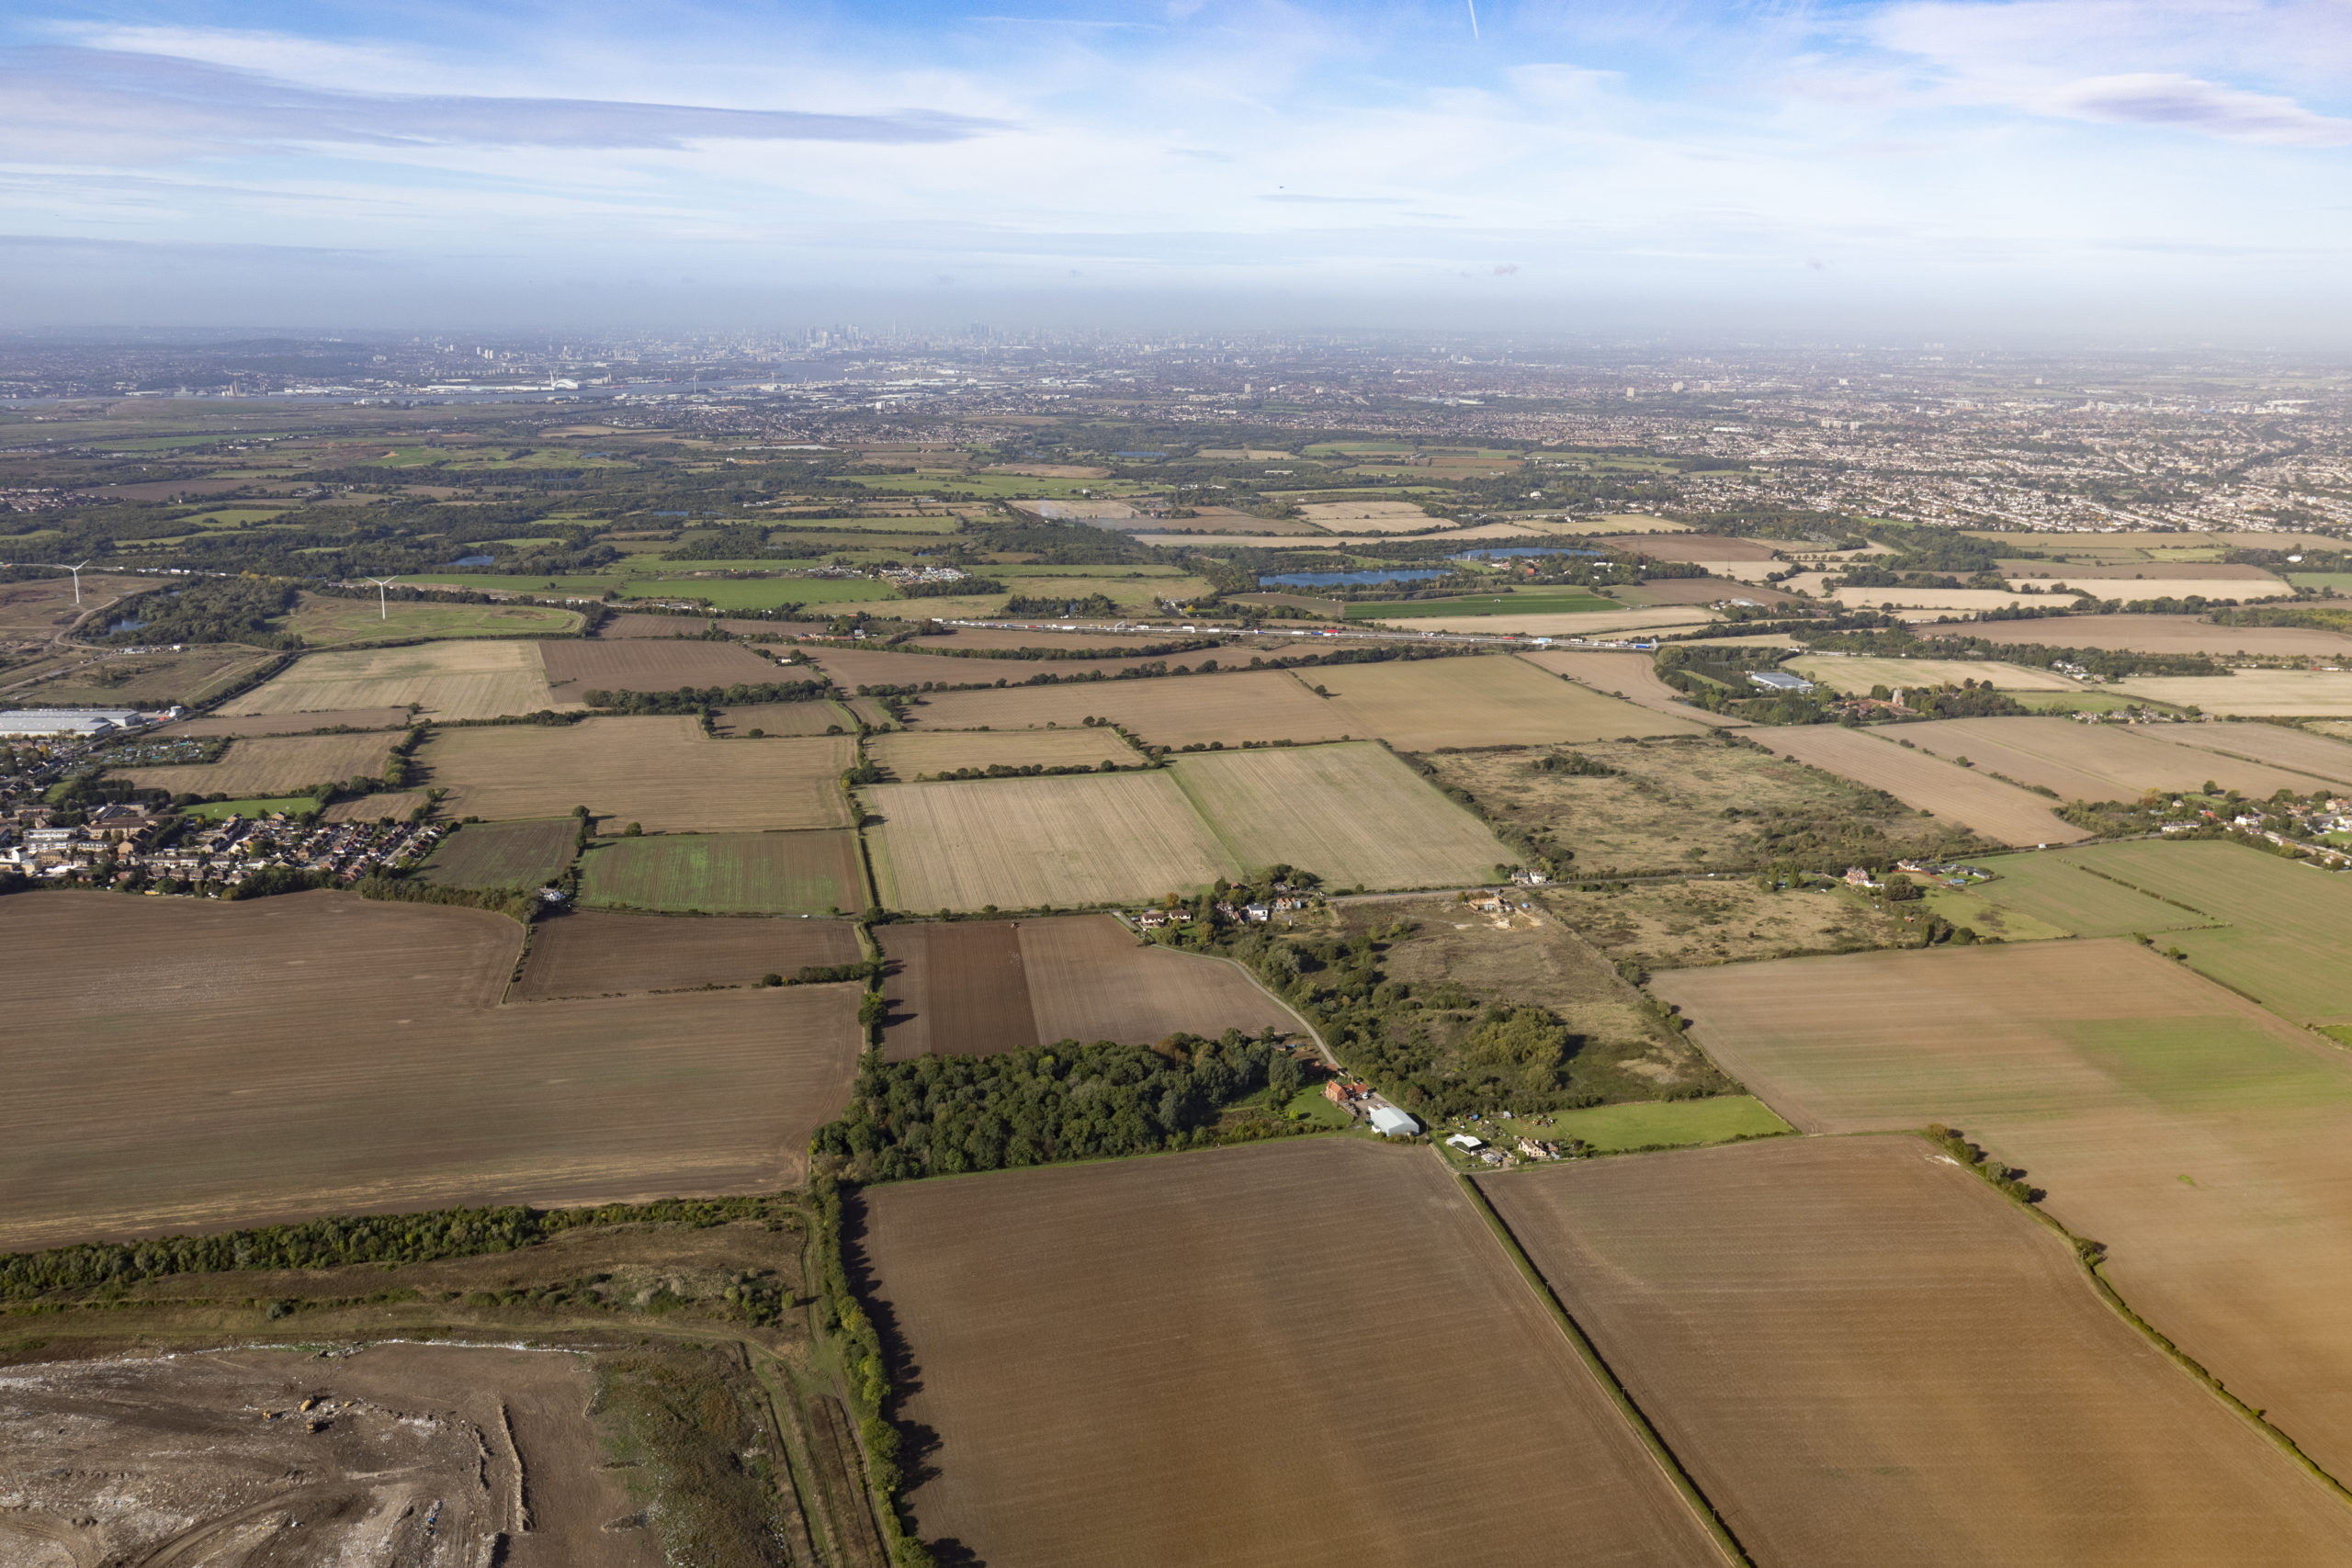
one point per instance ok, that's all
(383, 608)
(76, 570)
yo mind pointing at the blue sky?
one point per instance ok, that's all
(2181, 164)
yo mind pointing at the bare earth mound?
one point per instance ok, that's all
(1037, 1308)
(2001, 812)
(576, 666)
(1855, 1346)
(662, 771)
(272, 765)
(591, 953)
(178, 1063)
(1420, 704)
(967, 987)
(2198, 1136)
(482, 679)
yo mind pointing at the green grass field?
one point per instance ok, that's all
(512, 855)
(324, 622)
(2055, 890)
(812, 873)
(292, 804)
(1673, 1123)
(1486, 605)
(1967, 908)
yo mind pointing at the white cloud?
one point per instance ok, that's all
(2171, 99)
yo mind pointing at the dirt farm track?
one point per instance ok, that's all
(177, 1064)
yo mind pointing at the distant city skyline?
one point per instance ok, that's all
(2036, 166)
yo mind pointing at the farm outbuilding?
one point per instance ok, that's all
(1391, 1123)
(31, 722)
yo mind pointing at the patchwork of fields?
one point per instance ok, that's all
(1853, 1344)
(1420, 704)
(1185, 710)
(2199, 1137)
(661, 771)
(1066, 1435)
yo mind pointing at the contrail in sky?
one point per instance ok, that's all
(1474, 17)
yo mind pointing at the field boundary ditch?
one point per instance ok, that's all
(1662, 1454)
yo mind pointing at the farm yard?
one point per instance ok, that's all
(2098, 762)
(512, 855)
(2198, 1136)
(910, 754)
(969, 987)
(582, 665)
(2002, 813)
(660, 771)
(183, 1063)
(2251, 694)
(1064, 1437)
(272, 765)
(1353, 814)
(323, 621)
(1033, 843)
(1851, 1343)
(727, 873)
(1420, 704)
(593, 953)
(455, 680)
(1181, 710)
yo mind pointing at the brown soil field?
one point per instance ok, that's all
(909, 754)
(2163, 634)
(2096, 761)
(783, 719)
(579, 665)
(969, 987)
(181, 1063)
(2320, 756)
(482, 678)
(661, 771)
(1692, 805)
(852, 668)
(2199, 1137)
(1035, 1309)
(167, 1459)
(2000, 812)
(1681, 925)
(1632, 676)
(137, 679)
(1688, 547)
(626, 625)
(272, 765)
(1855, 1346)
(1535, 958)
(2252, 693)
(290, 723)
(591, 953)
(1356, 816)
(1181, 710)
(1420, 704)
(1027, 844)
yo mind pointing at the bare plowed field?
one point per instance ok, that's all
(2097, 761)
(910, 754)
(783, 719)
(1301, 1278)
(485, 679)
(178, 1063)
(576, 666)
(504, 854)
(1177, 711)
(290, 723)
(2252, 693)
(661, 771)
(1632, 676)
(2001, 812)
(592, 952)
(2197, 1136)
(1420, 704)
(1026, 843)
(1855, 1346)
(727, 873)
(967, 988)
(272, 765)
(432, 1454)
(1355, 815)
(2165, 634)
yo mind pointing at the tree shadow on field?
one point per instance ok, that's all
(919, 1444)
